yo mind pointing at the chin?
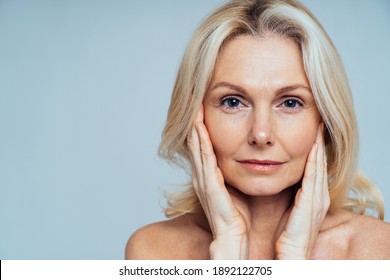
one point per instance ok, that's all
(262, 187)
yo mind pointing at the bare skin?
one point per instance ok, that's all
(257, 137)
(343, 236)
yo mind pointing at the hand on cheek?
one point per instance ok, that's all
(310, 207)
(228, 223)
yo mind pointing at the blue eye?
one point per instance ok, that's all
(231, 102)
(292, 103)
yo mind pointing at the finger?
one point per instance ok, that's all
(206, 147)
(322, 192)
(196, 157)
(193, 142)
(200, 116)
(319, 164)
(206, 150)
(309, 177)
(325, 170)
(192, 135)
(320, 134)
(213, 178)
(195, 183)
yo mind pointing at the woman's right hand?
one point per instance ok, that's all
(227, 211)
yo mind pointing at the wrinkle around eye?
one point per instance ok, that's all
(240, 103)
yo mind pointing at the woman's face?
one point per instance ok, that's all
(261, 114)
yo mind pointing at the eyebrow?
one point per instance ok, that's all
(278, 91)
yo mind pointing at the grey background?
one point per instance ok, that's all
(84, 90)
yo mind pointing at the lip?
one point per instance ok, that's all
(261, 165)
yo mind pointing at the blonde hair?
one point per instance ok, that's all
(348, 188)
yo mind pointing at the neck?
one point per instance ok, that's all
(268, 218)
(267, 210)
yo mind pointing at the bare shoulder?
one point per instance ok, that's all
(346, 235)
(178, 238)
(370, 238)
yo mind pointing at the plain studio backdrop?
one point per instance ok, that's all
(84, 90)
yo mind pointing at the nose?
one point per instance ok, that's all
(261, 129)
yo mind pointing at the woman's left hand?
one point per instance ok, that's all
(310, 207)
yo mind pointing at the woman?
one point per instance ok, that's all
(263, 114)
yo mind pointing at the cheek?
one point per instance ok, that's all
(224, 135)
(299, 140)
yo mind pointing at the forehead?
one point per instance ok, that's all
(270, 61)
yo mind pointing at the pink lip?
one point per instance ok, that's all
(261, 165)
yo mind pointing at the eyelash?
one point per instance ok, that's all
(298, 103)
(230, 98)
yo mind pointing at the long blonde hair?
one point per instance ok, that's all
(348, 188)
